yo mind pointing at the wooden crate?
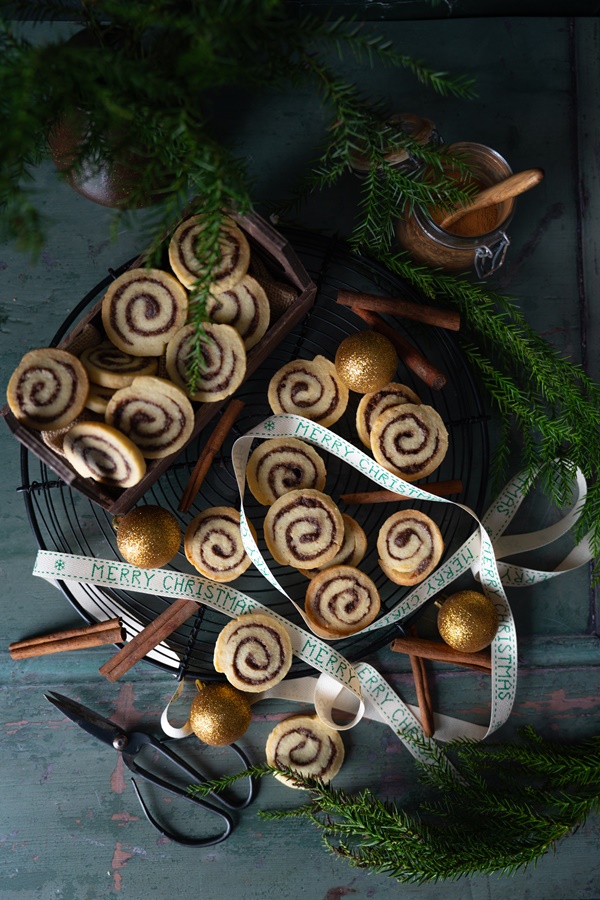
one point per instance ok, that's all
(277, 257)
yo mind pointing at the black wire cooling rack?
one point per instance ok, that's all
(64, 520)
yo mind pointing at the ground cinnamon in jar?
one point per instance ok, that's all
(476, 240)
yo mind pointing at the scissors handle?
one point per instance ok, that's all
(135, 743)
(178, 838)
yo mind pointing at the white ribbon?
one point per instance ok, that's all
(476, 550)
(359, 689)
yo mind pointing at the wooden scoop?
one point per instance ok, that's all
(497, 193)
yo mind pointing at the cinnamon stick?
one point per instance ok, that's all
(438, 488)
(155, 632)
(110, 631)
(395, 306)
(419, 672)
(209, 451)
(412, 358)
(479, 660)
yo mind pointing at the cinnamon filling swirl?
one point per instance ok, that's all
(245, 307)
(111, 367)
(254, 652)
(48, 389)
(410, 545)
(154, 413)
(303, 743)
(224, 361)
(304, 528)
(372, 405)
(309, 388)
(280, 465)
(341, 601)
(188, 267)
(97, 451)
(213, 544)
(142, 309)
(409, 440)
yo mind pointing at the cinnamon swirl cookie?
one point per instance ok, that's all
(254, 652)
(373, 404)
(280, 465)
(108, 366)
(48, 389)
(98, 451)
(213, 544)
(410, 546)
(154, 413)
(232, 266)
(353, 549)
(142, 310)
(341, 600)
(310, 388)
(244, 306)
(409, 440)
(304, 528)
(224, 357)
(306, 745)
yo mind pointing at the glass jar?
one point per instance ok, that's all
(422, 131)
(478, 240)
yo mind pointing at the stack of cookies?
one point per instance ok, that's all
(125, 399)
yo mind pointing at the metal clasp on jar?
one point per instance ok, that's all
(489, 259)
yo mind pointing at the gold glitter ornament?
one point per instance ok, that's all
(148, 536)
(365, 361)
(468, 621)
(220, 714)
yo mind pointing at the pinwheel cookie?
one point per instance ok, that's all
(224, 361)
(280, 465)
(409, 440)
(254, 652)
(310, 388)
(233, 262)
(341, 600)
(142, 310)
(154, 413)
(213, 544)
(304, 528)
(410, 546)
(306, 745)
(98, 451)
(48, 389)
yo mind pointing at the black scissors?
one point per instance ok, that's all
(130, 743)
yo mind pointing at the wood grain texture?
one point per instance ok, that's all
(70, 824)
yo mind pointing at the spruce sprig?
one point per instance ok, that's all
(552, 402)
(489, 808)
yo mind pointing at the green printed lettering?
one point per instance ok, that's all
(97, 570)
(322, 650)
(309, 647)
(149, 576)
(136, 578)
(238, 604)
(111, 571)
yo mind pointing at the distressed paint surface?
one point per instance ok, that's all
(70, 826)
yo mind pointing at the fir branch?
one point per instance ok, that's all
(482, 821)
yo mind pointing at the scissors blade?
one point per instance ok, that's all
(95, 724)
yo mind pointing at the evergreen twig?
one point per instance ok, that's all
(503, 807)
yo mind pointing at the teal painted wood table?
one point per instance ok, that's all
(70, 826)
